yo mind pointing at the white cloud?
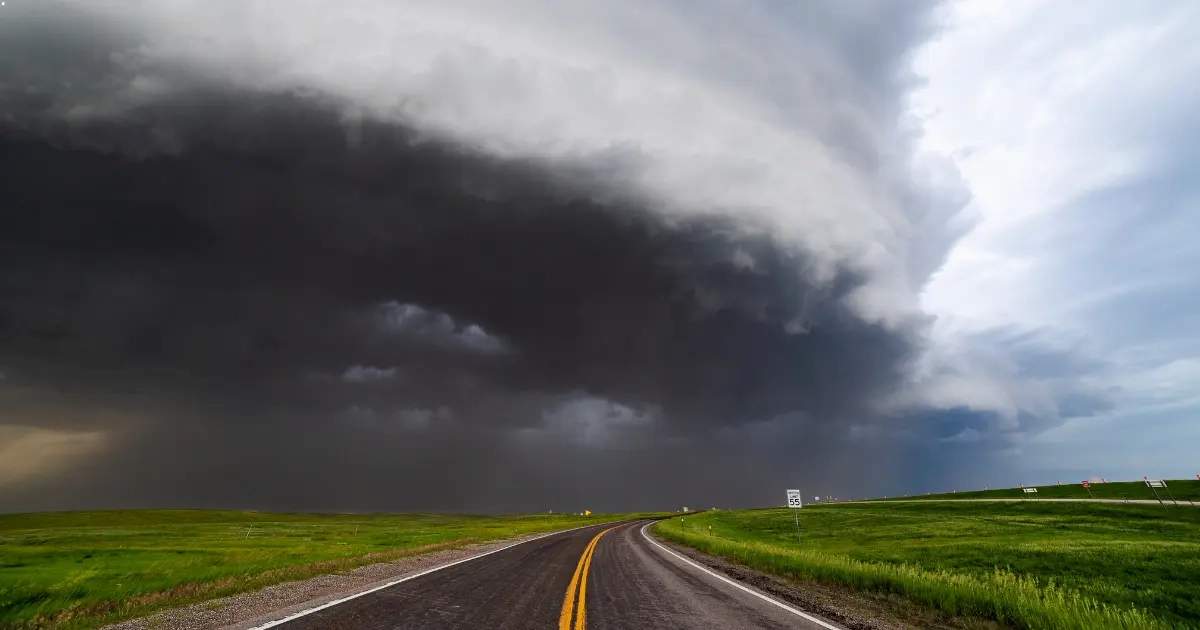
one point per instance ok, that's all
(1037, 99)
(1070, 125)
(785, 117)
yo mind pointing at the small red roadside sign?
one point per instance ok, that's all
(1087, 484)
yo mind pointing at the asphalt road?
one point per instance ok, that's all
(624, 581)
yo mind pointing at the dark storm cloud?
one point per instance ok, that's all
(269, 299)
(266, 246)
(213, 283)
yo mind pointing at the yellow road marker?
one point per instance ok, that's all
(579, 586)
(568, 607)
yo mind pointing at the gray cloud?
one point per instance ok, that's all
(367, 373)
(1020, 381)
(496, 329)
(437, 328)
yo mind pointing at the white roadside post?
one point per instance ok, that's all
(795, 503)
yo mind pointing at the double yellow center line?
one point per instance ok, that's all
(577, 591)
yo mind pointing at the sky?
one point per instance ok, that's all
(464, 256)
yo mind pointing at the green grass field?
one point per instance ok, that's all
(1028, 565)
(85, 569)
(1183, 490)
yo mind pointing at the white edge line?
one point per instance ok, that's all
(414, 576)
(794, 611)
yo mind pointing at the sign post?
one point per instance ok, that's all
(1153, 484)
(1033, 491)
(1087, 485)
(1168, 489)
(1162, 483)
(795, 503)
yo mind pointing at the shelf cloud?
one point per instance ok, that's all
(440, 256)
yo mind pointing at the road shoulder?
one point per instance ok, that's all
(850, 609)
(251, 609)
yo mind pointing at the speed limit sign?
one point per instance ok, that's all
(793, 499)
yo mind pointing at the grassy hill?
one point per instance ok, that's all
(1182, 489)
(1079, 566)
(85, 569)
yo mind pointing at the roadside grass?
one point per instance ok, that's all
(76, 570)
(1063, 566)
(1183, 490)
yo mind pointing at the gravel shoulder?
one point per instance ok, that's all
(850, 609)
(248, 610)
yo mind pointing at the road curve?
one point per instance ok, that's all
(625, 581)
